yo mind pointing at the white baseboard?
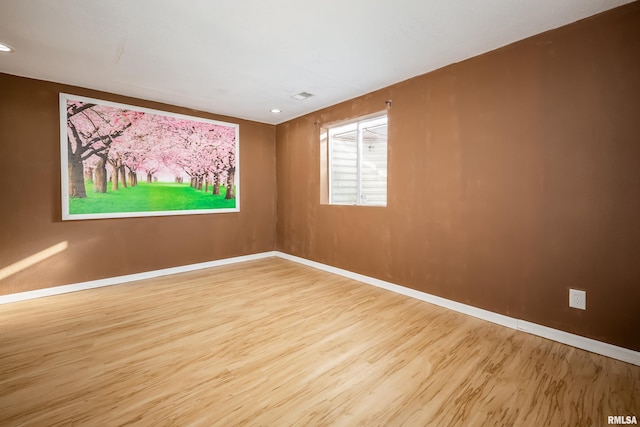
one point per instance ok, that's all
(584, 343)
(598, 347)
(594, 346)
(57, 290)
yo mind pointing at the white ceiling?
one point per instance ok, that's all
(244, 57)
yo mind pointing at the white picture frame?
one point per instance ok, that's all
(121, 160)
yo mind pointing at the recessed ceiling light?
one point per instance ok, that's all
(275, 110)
(302, 96)
(5, 48)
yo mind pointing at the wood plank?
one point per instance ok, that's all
(271, 342)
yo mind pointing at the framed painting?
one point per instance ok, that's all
(124, 161)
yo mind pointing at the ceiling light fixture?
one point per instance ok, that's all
(275, 110)
(5, 48)
(302, 96)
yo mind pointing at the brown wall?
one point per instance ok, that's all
(30, 206)
(513, 176)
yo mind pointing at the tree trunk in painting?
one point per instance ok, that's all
(88, 175)
(133, 178)
(123, 174)
(100, 183)
(76, 177)
(216, 185)
(114, 175)
(149, 177)
(231, 178)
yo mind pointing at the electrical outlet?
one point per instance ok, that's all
(578, 299)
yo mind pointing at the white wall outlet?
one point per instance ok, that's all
(578, 299)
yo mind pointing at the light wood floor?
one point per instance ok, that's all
(273, 343)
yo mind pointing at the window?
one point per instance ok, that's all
(356, 162)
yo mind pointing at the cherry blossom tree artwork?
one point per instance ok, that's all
(120, 160)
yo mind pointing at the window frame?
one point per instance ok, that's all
(359, 124)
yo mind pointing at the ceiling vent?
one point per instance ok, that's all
(302, 96)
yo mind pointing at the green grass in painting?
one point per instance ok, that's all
(158, 196)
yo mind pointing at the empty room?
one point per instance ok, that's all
(279, 213)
